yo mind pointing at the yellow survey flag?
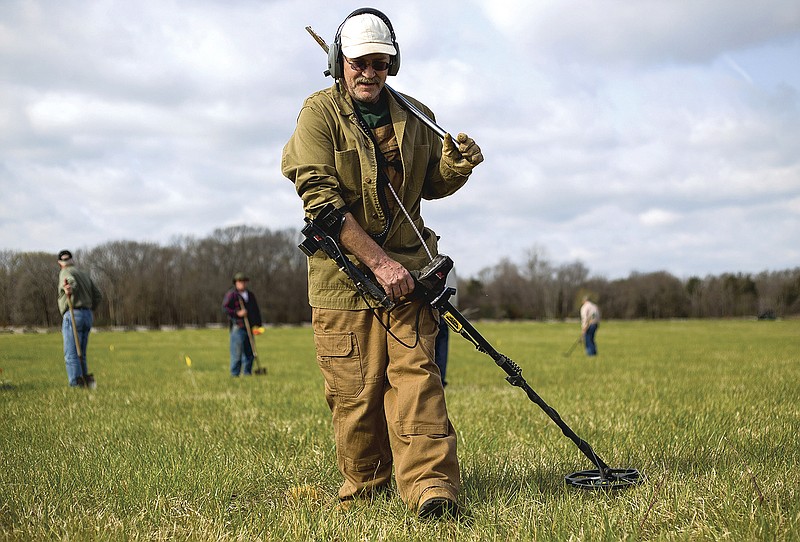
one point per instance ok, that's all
(188, 361)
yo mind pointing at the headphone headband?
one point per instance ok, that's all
(335, 50)
(366, 11)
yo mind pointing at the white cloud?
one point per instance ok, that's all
(658, 217)
(632, 136)
(648, 32)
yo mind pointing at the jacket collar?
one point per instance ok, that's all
(344, 103)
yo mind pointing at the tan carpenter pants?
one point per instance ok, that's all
(387, 402)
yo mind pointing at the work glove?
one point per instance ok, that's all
(461, 157)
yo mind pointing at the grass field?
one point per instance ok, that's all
(709, 411)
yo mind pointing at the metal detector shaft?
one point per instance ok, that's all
(413, 109)
(459, 324)
(571, 348)
(249, 331)
(74, 329)
(252, 340)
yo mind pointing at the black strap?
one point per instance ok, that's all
(382, 181)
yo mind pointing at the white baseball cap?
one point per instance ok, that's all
(366, 34)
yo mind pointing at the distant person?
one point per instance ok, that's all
(77, 289)
(443, 337)
(590, 320)
(240, 303)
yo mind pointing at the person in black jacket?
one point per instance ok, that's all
(240, 303)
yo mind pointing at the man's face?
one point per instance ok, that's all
(362, 81)
(241, 285)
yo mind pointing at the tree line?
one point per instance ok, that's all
(146, 284)
(182, 284)
(539, 290)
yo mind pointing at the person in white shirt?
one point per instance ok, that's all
(590, 320)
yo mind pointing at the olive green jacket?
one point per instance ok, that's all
(85, 294)
(331, 160)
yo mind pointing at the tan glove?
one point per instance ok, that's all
(461, 158)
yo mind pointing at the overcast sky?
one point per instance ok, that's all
(635, 135)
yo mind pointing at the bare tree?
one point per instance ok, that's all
(6, 286)
(568, 281)
(541, 289)
(34, 296)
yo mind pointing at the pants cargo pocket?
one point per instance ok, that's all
(339, 358)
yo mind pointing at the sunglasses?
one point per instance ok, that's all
(360, 65)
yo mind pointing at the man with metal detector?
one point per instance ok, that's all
(590, 320)
(78, 296)
(357, 150)
(241, 306)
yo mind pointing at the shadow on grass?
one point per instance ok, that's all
(498, 480)
(12, 387)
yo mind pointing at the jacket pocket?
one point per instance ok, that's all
(339, 359)
(348, 168)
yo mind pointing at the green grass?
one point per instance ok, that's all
(709, 411)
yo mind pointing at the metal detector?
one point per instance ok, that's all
(429, 281)
(322, 233)
(571, 348)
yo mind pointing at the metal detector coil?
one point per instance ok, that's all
(610, 479)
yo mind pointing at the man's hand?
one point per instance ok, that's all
(67, 288)
(462, 157)
(395, 279)
(241, 313)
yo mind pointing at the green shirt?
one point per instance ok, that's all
(377, 114)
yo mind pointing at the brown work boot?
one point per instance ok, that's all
(438, 507)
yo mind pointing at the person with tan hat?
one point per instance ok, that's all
(78, 296)
(356, 148)
(240, 303)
